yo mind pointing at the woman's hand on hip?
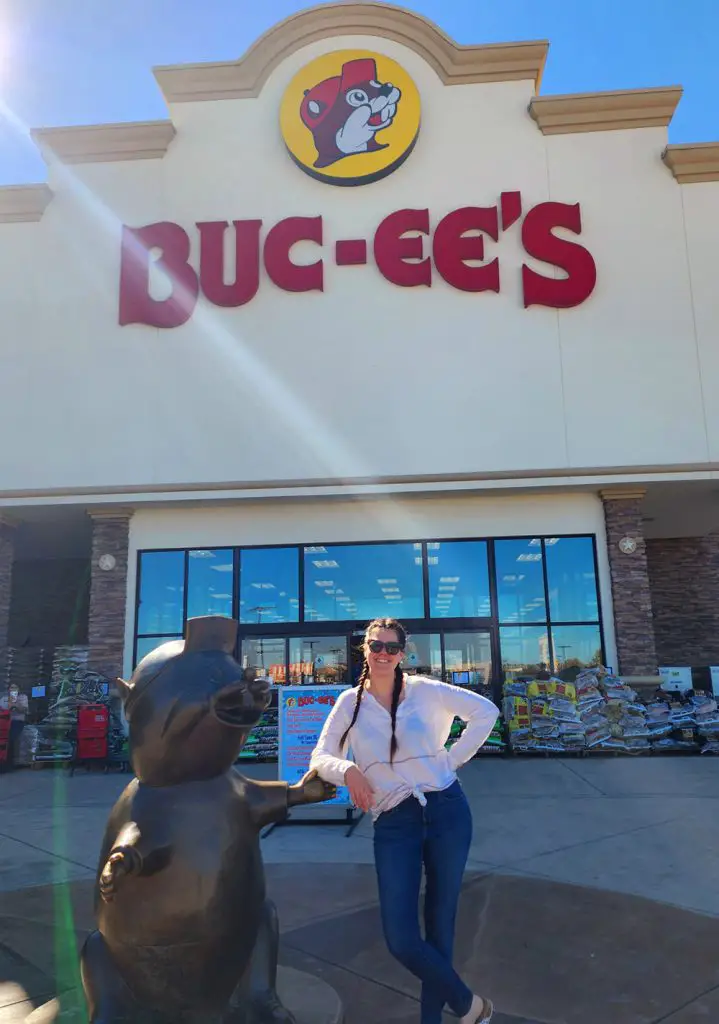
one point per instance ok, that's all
(361, 792)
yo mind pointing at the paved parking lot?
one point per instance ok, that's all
(592, 892)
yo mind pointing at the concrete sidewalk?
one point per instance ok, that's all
(592, 892)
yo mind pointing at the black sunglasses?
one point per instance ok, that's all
(377, 646)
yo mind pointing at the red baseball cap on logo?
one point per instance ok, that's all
(319, 100)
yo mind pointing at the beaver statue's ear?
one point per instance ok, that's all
(125, 689)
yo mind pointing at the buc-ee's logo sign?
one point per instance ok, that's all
(350, 117)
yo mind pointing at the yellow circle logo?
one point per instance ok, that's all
(350, 117)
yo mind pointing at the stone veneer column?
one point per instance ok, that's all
(684, 575)
(7, 555)
(631, 593)
(108, 590)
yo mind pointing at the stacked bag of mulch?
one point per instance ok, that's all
(614, 717)
(517, 715)
(596, 712)
(707, 718)
(542, 716)
(684, 722)
(600, 713)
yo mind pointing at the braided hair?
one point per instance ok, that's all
(401, 632)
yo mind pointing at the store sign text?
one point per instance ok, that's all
(401, 249)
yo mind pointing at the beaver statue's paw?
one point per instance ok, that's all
(311, 790)
(121, 863)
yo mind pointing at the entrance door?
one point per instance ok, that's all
(318, 661)
(463, 659)
(423, 656)
(297, 660)
(468, 659)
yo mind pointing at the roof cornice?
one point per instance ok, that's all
(605, 111)
(454, 64)
(693, 162)
(107, 143)
(23, 204)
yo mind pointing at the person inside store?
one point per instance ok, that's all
(17, 704)
(402, 773)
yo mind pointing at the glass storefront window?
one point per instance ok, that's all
(525, 651)
(210, 582)
(269, 585)
(423, 656)
(572, 579)
(354, 583)
(147, 644)
(162, 592)
(318, 661)
(363, 581)
(468, 659)
(264, 656)
(575, 648)
(520, 580)
(458, 580)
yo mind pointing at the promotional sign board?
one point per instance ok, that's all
(714, 669)
(679, 679)
(302, 712)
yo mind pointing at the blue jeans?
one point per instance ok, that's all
(437, 836)
(16, 727)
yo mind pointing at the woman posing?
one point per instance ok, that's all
(402, 773)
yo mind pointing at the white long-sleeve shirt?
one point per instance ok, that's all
(421, 763)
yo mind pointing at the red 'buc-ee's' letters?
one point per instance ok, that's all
(457, 255)
(578, 264)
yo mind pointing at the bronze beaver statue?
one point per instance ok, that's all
(185, 932)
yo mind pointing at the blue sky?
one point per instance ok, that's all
(89, 61)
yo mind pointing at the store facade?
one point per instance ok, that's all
(367, 326)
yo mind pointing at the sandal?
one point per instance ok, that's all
(486, 1013)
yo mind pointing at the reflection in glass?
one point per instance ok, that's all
(269, 585)
(424, 655)
(459, 580)
(209, 583)
(525, 651)
(162, 592)
(520, 580)
(468, 659)
(264, 656)
(572, 579)
(147, 644)
(363, 581)
(575, 648)
(318, 661)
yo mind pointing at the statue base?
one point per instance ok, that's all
(310, 1000)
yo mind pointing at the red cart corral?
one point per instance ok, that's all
(93, 722)
(5, 720)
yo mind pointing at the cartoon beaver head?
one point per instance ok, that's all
(188, 707)
(346, 113)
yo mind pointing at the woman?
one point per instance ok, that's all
(17, 704)
(402, 773)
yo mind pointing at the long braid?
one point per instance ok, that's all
(398, 684)
(364, 675)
